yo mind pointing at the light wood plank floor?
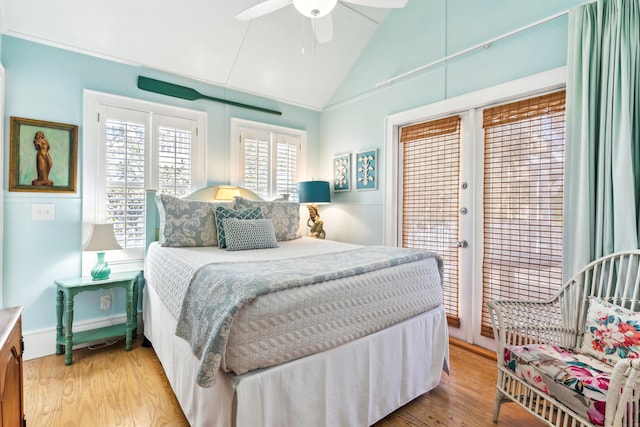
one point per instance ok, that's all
(112, 387)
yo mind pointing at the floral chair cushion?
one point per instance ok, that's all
(577, 380)
(611, 332)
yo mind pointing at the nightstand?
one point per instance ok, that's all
(67, 289)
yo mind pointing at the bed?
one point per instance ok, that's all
(337, 335)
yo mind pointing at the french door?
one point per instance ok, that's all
(484, 189)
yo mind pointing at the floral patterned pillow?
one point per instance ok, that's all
(284, 215)
(186, 223)
(611, 332)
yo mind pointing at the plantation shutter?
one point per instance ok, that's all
(286, 166)
(175, 167)
(270, 163)
(430, 175)
(125, 145)
(523, 195)
(137, 156)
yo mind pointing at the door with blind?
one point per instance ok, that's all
(430, 153)
(515, 237)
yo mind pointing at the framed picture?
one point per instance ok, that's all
(43, 156)
(342, 172)
(367, 169)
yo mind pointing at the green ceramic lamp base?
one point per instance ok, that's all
(101, 270)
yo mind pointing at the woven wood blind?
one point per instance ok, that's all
(430, 175)
(523, 195)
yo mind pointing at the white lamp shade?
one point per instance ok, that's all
(102, 238)
(315, 8)
(227, 193)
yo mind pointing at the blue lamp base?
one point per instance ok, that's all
(101, 270)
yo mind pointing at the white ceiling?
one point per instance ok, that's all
(201, 39)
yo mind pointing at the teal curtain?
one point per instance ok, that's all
(602, 165)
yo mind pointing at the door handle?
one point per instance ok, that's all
(462, 244)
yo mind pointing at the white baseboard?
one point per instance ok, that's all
(43, 342)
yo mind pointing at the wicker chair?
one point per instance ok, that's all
(560, 322)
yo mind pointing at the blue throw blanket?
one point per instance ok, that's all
(218, 291)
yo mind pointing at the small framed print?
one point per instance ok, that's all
(342, 172)
(43, 156)
(367, 169)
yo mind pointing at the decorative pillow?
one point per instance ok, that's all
(185, 222)
(223, 212)
(243, 234)
(284, 215)
(611, 332)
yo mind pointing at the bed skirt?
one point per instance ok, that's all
(355, 384)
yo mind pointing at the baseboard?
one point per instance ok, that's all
(489, 354)
(43, 342)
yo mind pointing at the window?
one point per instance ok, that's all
(139, 146)
(266, 159)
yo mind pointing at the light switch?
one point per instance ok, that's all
(43, 212)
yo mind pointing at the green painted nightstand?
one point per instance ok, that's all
(67, 289)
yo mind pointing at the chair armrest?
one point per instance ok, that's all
(624, 388)
(517, 322)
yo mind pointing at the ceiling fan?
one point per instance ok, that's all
(317, 10)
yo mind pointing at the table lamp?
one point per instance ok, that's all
(314, 193)
(101, 239)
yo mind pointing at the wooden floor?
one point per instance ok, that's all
(112, 387)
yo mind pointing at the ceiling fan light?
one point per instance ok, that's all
(315, 8)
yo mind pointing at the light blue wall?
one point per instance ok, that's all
(47, 83)
(421, 33)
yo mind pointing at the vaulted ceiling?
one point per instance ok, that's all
(274, 56)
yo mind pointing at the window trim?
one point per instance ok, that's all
(235, 172)
(91, 153)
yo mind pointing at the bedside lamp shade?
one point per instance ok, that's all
(227, 193)
(102, 238)
(317, 192)
(314, 193)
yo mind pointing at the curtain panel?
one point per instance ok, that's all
(602, 169)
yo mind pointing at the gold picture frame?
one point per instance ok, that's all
(43, 156)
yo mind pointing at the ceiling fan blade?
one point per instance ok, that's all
(323, 28)
(261, 9)
(390, 4)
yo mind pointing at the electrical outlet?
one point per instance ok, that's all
(105, 302)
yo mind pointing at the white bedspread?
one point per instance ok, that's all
(287, 325)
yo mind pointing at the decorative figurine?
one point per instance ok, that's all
(315, 223)
(43, 160)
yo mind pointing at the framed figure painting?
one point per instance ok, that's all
(43, 156)
(342, 172)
